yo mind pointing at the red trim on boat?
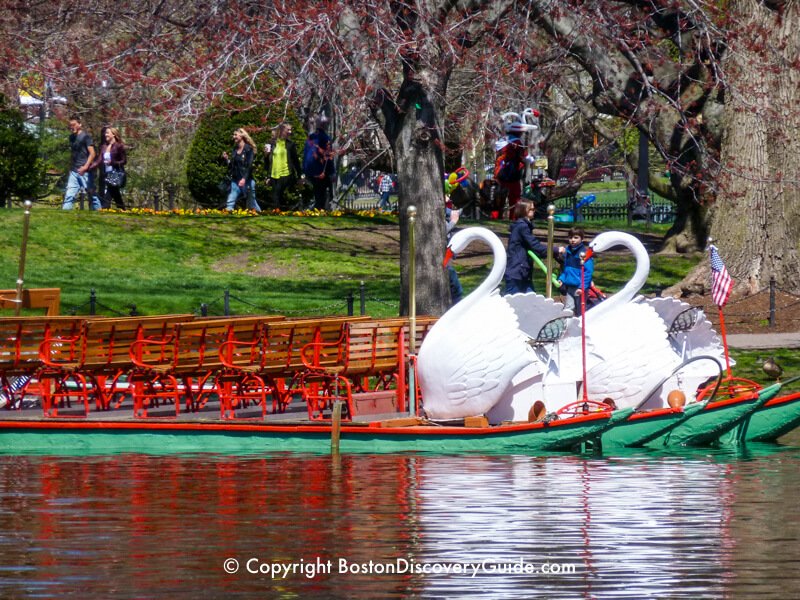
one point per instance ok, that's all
(782, 400)
(152, 425)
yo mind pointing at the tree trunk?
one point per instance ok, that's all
(690, 230)
(758, 202)
(413, 127)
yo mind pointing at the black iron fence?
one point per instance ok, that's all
(578, 209)
(770, 307)
(229, 304)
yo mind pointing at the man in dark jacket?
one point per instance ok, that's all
(519, 266)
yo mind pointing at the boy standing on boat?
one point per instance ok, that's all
(570, 279)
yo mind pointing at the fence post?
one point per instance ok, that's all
(133, 312)
(772, 301)
(92, 302)
(227, 303)
(362, 293)
(204, 310)
(350, 304)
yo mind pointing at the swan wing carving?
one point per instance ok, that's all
(630, 353)
(533, 311)
(480, 361)
(700, 339)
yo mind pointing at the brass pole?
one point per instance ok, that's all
(412, 309)
(23, 251)
(551, 209)
(336, 426)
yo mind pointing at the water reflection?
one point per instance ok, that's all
(700, 525)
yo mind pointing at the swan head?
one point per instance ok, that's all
(610, 239)
(462, 238)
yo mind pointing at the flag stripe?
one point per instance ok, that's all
(721, 282)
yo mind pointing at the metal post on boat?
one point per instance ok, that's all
(336, 426)
(412, 310)
(22, 253)
(551, 209)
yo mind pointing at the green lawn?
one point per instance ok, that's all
(164, 264)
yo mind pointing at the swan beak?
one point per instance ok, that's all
(588, 254)
(448, 256)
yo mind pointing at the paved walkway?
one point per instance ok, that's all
(747, 341)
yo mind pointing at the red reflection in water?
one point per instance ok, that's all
(152, 524)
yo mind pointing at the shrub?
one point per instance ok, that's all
(204, 167)
(20, 166)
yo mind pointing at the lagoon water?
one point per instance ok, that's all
(691, 524)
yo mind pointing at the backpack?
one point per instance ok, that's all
(594, 296)
(509, 165)
(315, 161)
(311, 166)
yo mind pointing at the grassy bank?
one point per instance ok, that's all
(167, 264)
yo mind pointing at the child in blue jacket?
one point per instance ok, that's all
(570, 279)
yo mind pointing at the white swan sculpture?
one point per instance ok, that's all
(478, 354)
(631, 350)
(469, 358)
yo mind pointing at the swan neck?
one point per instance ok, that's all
(490, 283)
(629, 291)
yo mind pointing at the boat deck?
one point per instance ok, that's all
(296, 413)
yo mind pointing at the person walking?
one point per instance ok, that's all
(282, 164)
(113, 157)
(510, 162)
(81, 175)
(240, 171)
(385, 187)
(318, 162)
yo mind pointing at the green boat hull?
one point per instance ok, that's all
(776, 418)
(641, 428)
(711, 425)
(79, 437)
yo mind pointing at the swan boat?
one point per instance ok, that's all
(642, 355)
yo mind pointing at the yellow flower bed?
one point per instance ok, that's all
(214, 212)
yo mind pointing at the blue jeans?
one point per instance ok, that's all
(518, 286)
(456, 291)
(385, 205)
(249, 191)
(75, 184)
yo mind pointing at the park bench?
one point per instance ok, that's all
(32, 298)
(365, 367)
(186, 362)
(272, 365)
(20, 339)
(93, 363)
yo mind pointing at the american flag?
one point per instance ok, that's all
(721, 282)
